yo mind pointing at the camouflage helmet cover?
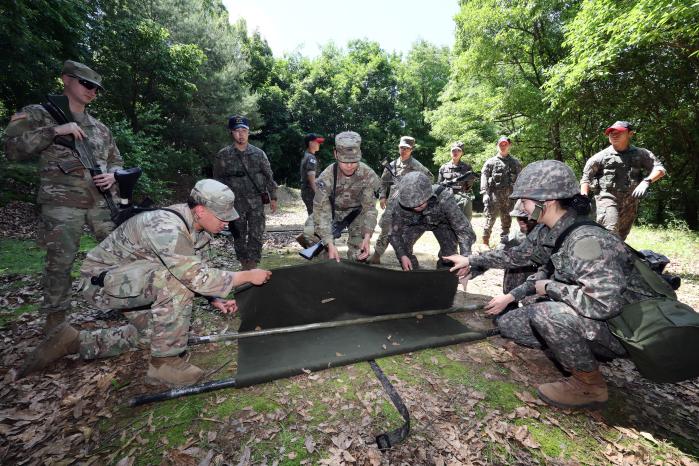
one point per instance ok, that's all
(545, 180)
(414, 189)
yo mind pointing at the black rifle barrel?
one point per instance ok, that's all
(316, 325)
(183, 391)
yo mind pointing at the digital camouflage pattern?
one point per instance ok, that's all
(612, 177)
(442, 217)
(498, 176)
(67, 194)
(351, 192)
(154, 259)
(561, 182)
(593, 278)
(232, 167)
(309, 165)
(462, 191)
(415, 189)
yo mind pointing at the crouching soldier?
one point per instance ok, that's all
(420, 207)
(151, 267)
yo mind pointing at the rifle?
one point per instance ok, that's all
(468, 177)
(337, 227)
(59, 109)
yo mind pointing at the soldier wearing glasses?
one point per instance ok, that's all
(68, 195)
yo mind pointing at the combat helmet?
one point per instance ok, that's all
(414, 189)
(545, 180)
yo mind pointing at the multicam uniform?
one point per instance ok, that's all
(389, 185)
(497, 179)
(309, 164)
(351, 192)
(442, 216)
(67, 193)
(232, 168)
(154, 259)
(615, 175)
(462, 191)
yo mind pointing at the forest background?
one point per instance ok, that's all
(551, 74)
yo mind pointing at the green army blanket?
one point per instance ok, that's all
(329, 291)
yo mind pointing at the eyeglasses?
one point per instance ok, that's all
(87, 84)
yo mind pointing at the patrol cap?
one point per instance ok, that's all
(518, 210)
(313, 137)
(217, 197)
(458, 145)
(348, 147)
(237, 121)
(407, 141)
(504, 139)
(81, 71)
(619, 126)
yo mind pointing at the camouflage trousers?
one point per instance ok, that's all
(59, 232)
(307, 198)
(164, 325)
(465, 203)
(355, 236)
(515, 277)
(617, 212)
(557, 326)
(247, 234)
(448, 243)
(385, 224)
(499, 205)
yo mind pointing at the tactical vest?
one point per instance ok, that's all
(621, 172)
(502, 176)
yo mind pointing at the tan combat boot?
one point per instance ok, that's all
(581, 390)
(53, 320)
(172, 371)
(486, 240)
(62, 340)
(375, 258)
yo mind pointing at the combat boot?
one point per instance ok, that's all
(375, 258)
(53, 320)
(581, 390)
(301, 239)
(486, 240)
(172, 371)
(62, 340)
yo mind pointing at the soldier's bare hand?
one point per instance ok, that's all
(498, 304)
(257, 276)
(460, 262)
(333, 253)
(273, 205)
(225, 306)
(382, 202)
(70, 129)
(405, 263)
(104, 181)
(364, 249)
(540, 286)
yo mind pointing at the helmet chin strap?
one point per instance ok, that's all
(538, 210)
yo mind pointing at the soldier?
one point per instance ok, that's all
(309, 169)
(421, 206)
(587, 281)
(155, 260)
(497, 178)
(451, 171)
(343, 187)
(246, 170)
(68, 195)
(617, 172)
(390, 177)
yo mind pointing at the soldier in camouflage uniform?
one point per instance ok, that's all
(587, 281)
(497, 178)
(352, 184)
(68, 195)
(155, 260)
(246, 170)
(451, 171)
(390, 178)
(619, 175)
(422, 206)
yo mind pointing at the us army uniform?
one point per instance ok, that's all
(230, 166)
(309, 164)
(67, 193)
(155, 259)
(442, 217)
(615, 175)
(497, 178)
(462, 191)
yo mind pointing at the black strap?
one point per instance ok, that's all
(176, 213)
(249, 177)
(332, 196)
(562, 237)
(388, 439)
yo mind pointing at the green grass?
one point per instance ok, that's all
(20, 257)
(12, 315)
(679, 244)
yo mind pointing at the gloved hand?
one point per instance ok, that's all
(485, 198)
(641, 189)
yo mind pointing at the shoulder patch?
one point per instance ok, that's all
(19, 116)
(587, 248)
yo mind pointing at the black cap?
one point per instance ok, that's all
(313, 137)
(237, 121)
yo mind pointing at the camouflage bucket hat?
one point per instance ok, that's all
(81, 71)
(518, 210)
(414, 189)
(546, 180)
(348, 147)
(217, 197)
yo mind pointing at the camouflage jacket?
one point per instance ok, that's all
(63, 179)
(441, 209)
(400, 168)
(612, 171)
(309, 164)
(230, 167)
(350, 193)
(450, 171)
(162, 238)
(499, 174)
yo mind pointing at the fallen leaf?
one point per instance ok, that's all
(309, 444)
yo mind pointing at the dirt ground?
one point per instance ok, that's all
(470, 403)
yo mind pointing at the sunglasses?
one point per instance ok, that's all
(87, 84)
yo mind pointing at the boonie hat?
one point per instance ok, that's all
(237, 121)
(407, 141)
(348, 147)
(619, 126)
(217, 197)
(82, 71)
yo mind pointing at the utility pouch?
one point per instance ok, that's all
(70, 166)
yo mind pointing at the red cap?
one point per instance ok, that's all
(619, 126)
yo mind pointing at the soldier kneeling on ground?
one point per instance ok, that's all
(151, 267)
